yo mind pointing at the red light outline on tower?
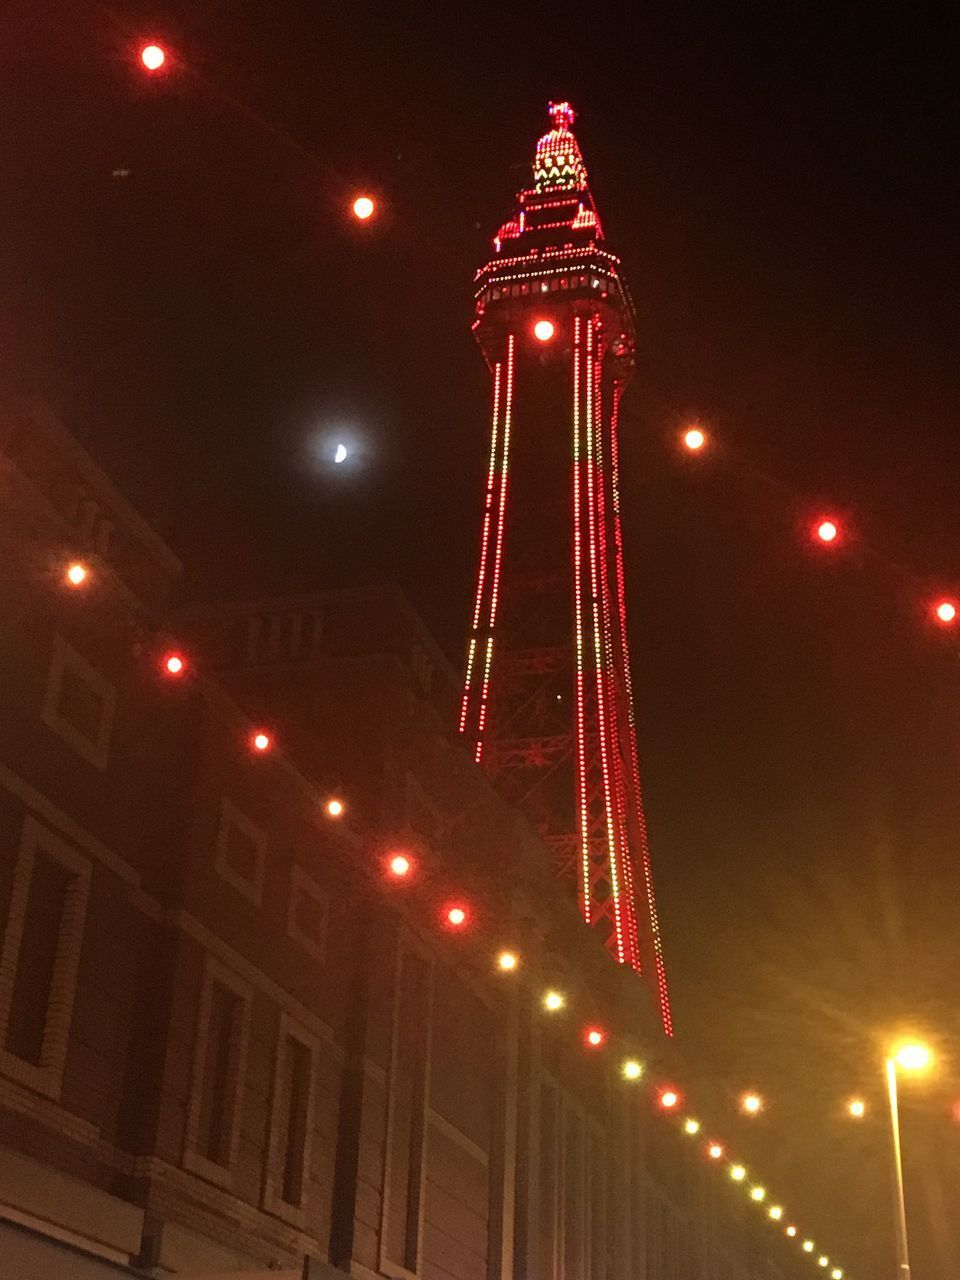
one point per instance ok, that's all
(551, 254)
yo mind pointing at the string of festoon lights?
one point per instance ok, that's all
(456, 915)
(828, 531)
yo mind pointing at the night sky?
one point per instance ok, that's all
(178, 277)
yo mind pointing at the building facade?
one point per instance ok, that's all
(232, 1039)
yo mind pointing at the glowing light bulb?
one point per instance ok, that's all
(715, 1151)
(334, 807)
(669, 1098)
(508, 961)
(76, 574)
(738, 1172)
(174, 664)
(261, 741)
(691, 1126)
(758, 1194)
(856, 1108)
(631, 1069)
(827, 531)
(791, 1231)
(945, 612)
(152, 57)
(808, 1246)
(594, 1037)
(694, 439)
(836, 1273)
(363, 208)
(399, 866)
(823, 1260)
(775, 1212)
(544, 330)
(456, 917)
(553, 1001)
(340, 454)
(751, 1104)
(913, 1056)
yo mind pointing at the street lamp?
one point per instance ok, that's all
(908, 1055)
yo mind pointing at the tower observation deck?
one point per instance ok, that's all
(547, 702)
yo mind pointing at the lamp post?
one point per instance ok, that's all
(908, 1056)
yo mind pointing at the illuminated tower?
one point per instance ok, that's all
(547, 700)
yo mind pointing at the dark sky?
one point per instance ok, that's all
(781, 181)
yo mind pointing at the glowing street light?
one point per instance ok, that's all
(910, 1056)
(152, 57)
(544, 330)
(363, 208)
(694, 439)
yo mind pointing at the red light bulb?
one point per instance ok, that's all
(945, 612)
(363, 208)
(669, 1098)
(399, 866)
(456, 917)
(261, 741)
(174, 664)
(594, 1037)
(153, 57)
(544, 330)
(827, 531)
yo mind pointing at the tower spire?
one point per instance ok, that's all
(548, 702)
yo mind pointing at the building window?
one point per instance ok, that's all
(307, 914)
(79, 704)
(402, 1203)
(41, 953)
(241, 852)
(291, 1122)
(219, 1064)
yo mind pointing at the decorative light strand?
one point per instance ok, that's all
(484, 545)
(666, 1016)
(498, 548)
(586, 903)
